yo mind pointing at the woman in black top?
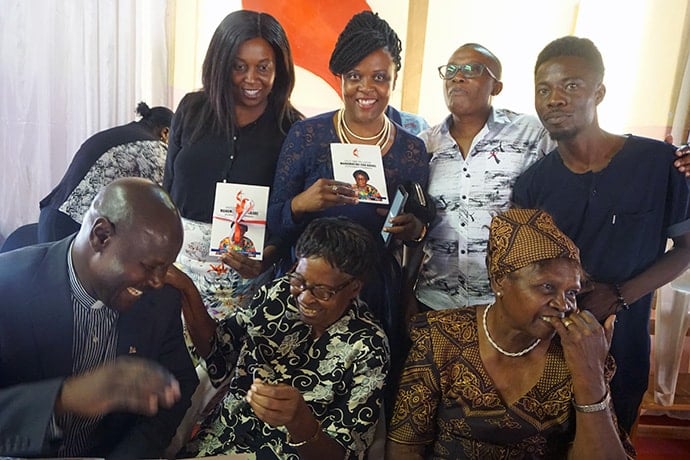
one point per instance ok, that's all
(134, 149)
(231, 130)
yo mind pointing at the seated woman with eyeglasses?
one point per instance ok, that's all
(306, 360)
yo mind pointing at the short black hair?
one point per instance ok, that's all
(360, 172)
(365, 33)
(573, 46)
(344, 244)
(157, 117)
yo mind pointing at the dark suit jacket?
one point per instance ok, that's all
(36, 355)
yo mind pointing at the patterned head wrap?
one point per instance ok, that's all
(520, 237)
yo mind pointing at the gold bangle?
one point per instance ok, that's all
(306, 441)
(596, 407)
(422, 234)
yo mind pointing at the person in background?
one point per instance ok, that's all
(366, 58)
(409, 121)
(231, 130)
(137, 149)
(525, 376)
(477, 153)
(306, 360)
(70, 312)
(618, 197)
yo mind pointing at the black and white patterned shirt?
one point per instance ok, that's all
(468, 192)
(143, 158)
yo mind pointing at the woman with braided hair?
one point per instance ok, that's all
(366, 58)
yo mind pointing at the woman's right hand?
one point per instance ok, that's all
(322, 194)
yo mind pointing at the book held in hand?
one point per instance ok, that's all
(239, 219)
(362, 166)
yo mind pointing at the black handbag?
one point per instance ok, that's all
(419, 203)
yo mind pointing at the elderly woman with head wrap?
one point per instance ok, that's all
(525, 377)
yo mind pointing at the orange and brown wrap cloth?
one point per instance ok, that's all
(520, 237)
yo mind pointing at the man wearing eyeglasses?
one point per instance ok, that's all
(477, 153)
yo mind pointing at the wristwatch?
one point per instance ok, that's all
(596, 407)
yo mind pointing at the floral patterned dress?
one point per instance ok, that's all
(340, 375)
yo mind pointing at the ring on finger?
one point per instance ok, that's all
(334, 189)
(567, 322)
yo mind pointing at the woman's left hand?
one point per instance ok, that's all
(404, 227)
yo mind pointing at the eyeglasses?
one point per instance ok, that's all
(469, 70)
(320, 291)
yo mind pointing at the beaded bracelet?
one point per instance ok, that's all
(621, 300)
(306, 441)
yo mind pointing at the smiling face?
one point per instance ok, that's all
(470, 96)
(129, 263)
(539, 290)
(361, 180)
(367, 88)
(320, 314)
(566, 96)
(253, 74)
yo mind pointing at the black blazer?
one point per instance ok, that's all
(36, 348)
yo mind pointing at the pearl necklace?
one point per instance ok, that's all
(381, 138)
(495, 345)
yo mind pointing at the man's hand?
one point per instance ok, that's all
(683, 161)
(600, 299)
(127, 384)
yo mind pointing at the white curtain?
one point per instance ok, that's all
(67, 70)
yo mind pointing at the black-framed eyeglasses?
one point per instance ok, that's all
(469, 70)
(320, 291)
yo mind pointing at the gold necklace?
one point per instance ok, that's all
(381, 138)
(341, 117)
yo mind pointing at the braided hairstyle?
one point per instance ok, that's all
(365, 33)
